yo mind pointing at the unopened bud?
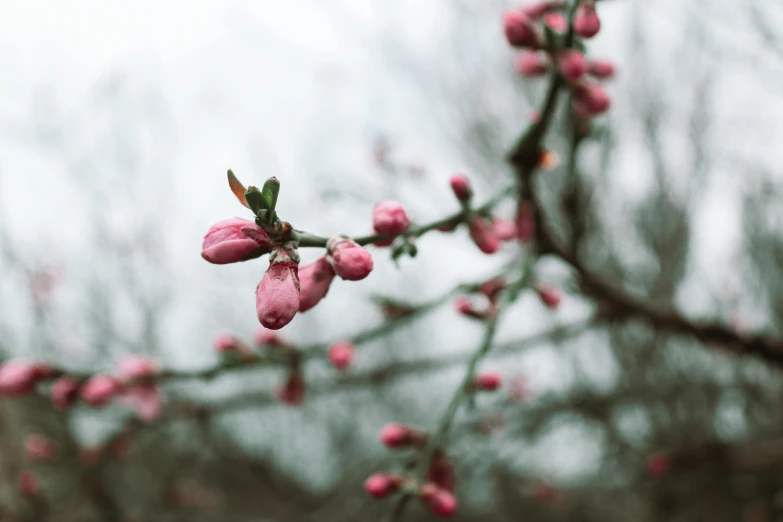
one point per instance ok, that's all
(557, 22)
(293, 390)
(314, 281)
(483, 235)
(39, 447)
(603, 69)
(531, 63)
(349, 260)
(519, 29)
(99, 390)
(549, 296)
(400, 436)
(572, 64)
(586, 21)
(64, 392)
(488, 381)
(277, 295)
(341, 354)
(440, 501)
(461, 187)
(389, 219)
(382, 485)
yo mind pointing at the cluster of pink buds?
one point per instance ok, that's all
(286, 289)
(487, 232)
(525, 29)
(437, 489)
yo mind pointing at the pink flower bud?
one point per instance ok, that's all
(464, 306)
(64, 392)
(601, 69)
(657, 465)
(398, 436)
(382, 485)
(492, 288)
(225, 343)
(504, 230)
(277, 295)
(526, 222)
(572, 64)
(590, 100)
(146, 399)
(483, 235)
(39, 447)
(99, 390)
(519, 29)
(440, 501)
(234, 240)
(389, 219)
(586, 22)
(18, 377)
(264, 337)
(349, 260)
(293, 390)
(549, 296)
(539, 9)
(135, 367)
(28, 483)
(341, 354)
(489, 381)
(441, 472)
(557, 22)
(531, 63)
(461, 187)
(314, 280)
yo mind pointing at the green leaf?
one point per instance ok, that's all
(255, 200)
(270, 192)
